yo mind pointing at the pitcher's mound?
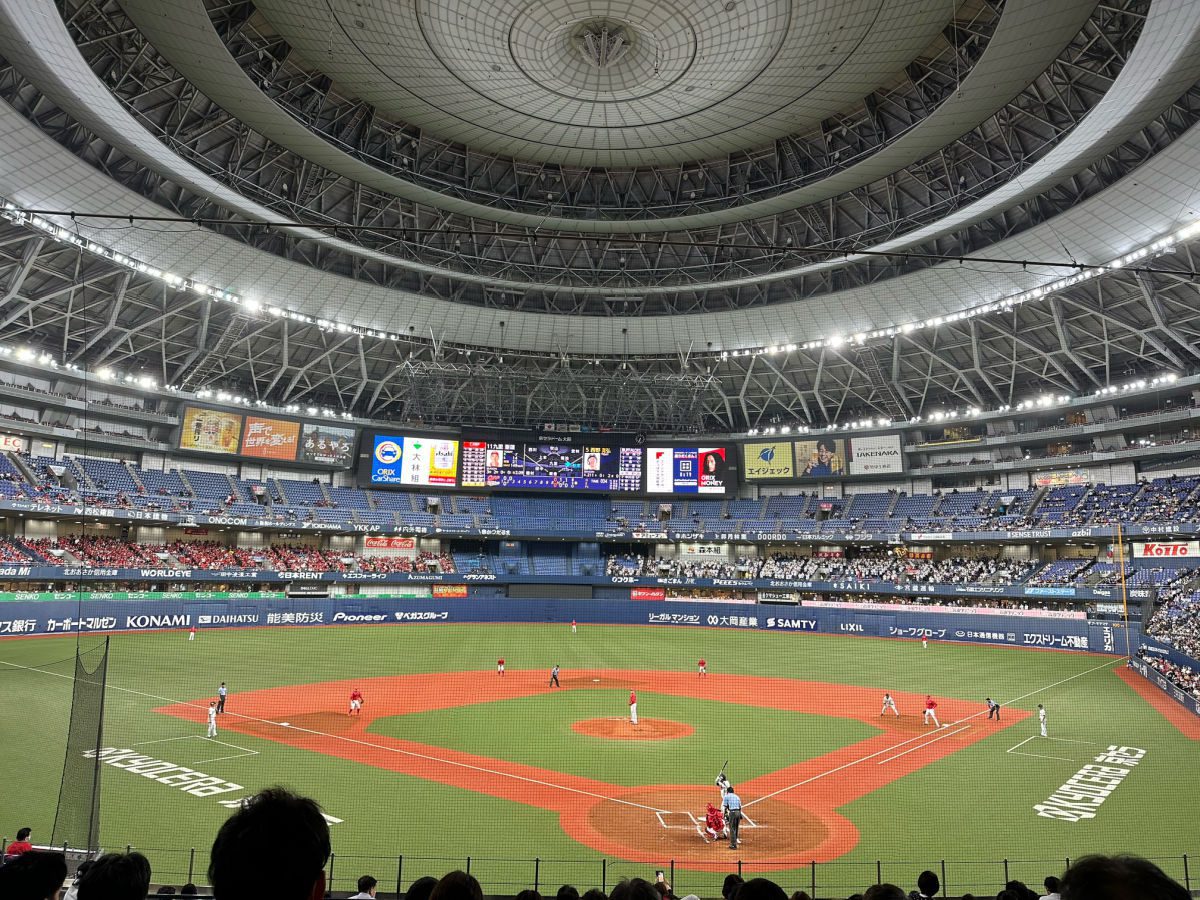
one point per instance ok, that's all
(622, 730)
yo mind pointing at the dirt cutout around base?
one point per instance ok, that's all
(621, 729)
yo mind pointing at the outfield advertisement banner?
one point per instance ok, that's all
(876, 455)
(1166, 550)
(67, 617)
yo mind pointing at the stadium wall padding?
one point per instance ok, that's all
(1175, 693)
(1025, 630)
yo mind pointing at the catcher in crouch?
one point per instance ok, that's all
(714, 825)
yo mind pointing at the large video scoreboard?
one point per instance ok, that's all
(591, 466)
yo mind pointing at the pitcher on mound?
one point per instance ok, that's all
(633, 707)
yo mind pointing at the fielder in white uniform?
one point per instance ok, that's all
(722, 785)
(1042, 719)
(212, 719)
(889, 703)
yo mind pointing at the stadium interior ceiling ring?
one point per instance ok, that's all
(667, 216)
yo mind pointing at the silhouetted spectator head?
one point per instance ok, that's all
(276, 845)
(116, 876)
(594, 894)
(421, 888)
(457, 885)
(165, 889)
(761, 889)
(1006, 894)
(366, 885)
(634, 889)
(928, 884)
(529, 894)
(1053, 885)
(885, 892)
(800, 895)
(188, 890)
(1021, 890)
(567, 892)
(24, 833)
(1119, 878)
(730, 886)
(34, 875)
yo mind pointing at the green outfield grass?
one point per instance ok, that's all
(974, 805)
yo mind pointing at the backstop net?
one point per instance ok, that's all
(77, 819)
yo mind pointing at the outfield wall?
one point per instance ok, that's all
(1163, 684)
(1028, 629)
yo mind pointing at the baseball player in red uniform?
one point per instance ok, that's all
(930, 707)
(714, 825)
(500, 666)
(356, 702)
(633, 707)
(701, 667)
(574, 626)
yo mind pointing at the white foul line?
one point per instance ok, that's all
(940, 737)
(919, 737)
(350, 740)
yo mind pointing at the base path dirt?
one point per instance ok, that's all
(792, 814)
(619, 729)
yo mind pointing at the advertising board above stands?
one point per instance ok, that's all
(223, 432)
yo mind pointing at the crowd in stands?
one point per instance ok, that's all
(970, 602)
(277, 845)
(1183, 677)
(1177, 621)
(1168, 499)
(872, 568)
(73, 550)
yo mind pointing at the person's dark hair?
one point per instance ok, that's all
(1119, 878)
(761, 889)
(34, 875)
(24, 833)
(594, 894)
(1019, 888)
(928, 883)
(188, 890)
(165, 889)
(634, 889)
(664, 890)
(800, 895)
(855, 897)
(81, 869)
(885, 891)
(457, 885)
(730, 885)
(1007, 894)
(116, 876)
(421, 888)
(276, 845)
(1053, 884)
(366, 883)
(529, 894)
(567, 892)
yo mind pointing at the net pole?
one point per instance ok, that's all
(94, 820)
(1124, 587)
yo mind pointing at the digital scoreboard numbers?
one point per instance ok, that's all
(550, 466)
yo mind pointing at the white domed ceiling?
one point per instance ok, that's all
(681, 80)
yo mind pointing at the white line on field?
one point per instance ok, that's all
(1041, 756)
(1022, 744)
(361, 743)
(941, 737)
(910, 740)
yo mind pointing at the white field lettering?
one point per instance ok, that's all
(1083, 792)
(187, 780)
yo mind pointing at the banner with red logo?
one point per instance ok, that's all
(447, 591)
(648, 593)
(1167, 550)
(390, 543)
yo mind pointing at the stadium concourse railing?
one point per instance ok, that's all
(502, 876)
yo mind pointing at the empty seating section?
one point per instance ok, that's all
(1058, 506)
(208, 485)
(1063, 571)
(302, 493)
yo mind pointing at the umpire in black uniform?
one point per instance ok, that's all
(733, 815)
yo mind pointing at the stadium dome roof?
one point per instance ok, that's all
(667, 189)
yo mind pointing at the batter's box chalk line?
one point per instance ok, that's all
(692, 823)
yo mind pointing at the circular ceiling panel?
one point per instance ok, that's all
(601, 81)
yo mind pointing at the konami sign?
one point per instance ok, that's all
(1165, 549)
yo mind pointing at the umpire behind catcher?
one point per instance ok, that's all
(733, 815)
